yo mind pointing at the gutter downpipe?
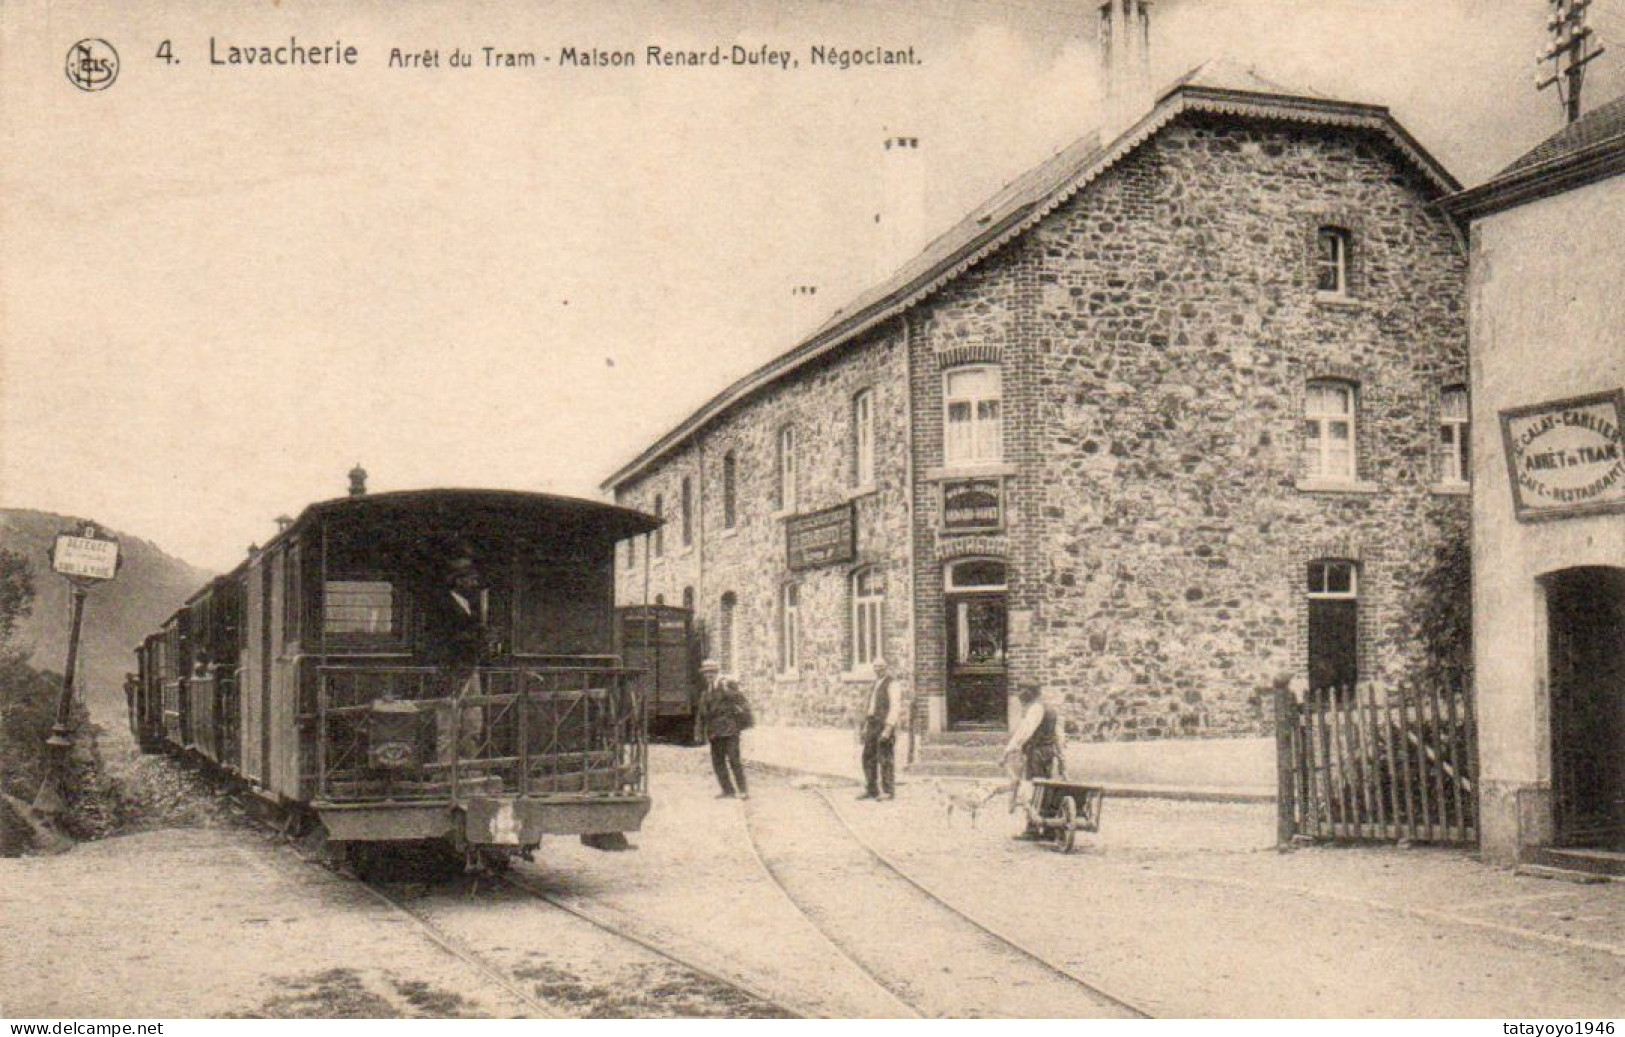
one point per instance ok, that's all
(913, 540)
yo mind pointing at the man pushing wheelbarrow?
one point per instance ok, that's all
(1036, 756)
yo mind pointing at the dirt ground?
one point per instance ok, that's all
(1182, 909)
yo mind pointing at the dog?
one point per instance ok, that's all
(970, 800)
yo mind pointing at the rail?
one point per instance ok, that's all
(443, 734)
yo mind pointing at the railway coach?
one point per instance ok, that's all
(421, 667)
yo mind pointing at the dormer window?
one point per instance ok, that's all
(1333, 248)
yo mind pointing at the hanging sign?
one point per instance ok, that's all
(87, 553)
(973, 504)
(821, 538)
(1566, 457)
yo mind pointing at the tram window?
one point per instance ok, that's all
(359, 607)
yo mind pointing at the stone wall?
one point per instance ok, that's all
(1177, 325)
(749, 561)
(1155, 334)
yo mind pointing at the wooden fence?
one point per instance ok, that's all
(1358, 764)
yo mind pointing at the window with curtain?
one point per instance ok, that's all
(1333, 246)
(868, 592)
(1328, 431)
(973, 429)
(863, 438)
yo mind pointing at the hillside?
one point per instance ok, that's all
(150, 586)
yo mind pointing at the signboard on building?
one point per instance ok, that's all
(87, 553)
(972, 504)
(821, 538)
(1566, 457)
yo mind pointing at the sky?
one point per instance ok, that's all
(223, 286)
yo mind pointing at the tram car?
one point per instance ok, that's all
(421, 667)
(661, 643)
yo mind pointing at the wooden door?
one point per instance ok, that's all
(1586, 659)
(977, 673)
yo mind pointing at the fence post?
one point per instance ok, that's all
(1286, 771)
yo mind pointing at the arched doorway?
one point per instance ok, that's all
(1585, 615)
(976, 616)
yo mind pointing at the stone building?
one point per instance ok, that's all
(1157, 427)
(1548, 391)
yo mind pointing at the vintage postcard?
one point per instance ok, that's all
(769, 509)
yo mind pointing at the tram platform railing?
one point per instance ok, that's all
(423, 733)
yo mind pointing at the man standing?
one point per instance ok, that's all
(456, 636)
(880, 718)
(721, 717)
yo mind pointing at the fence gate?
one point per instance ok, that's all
(1358, 764)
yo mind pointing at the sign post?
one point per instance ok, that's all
(84, 557)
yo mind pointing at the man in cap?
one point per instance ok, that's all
(721, 717)
(881, 714)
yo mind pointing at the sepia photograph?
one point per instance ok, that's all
(812, 509)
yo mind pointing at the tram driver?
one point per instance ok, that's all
(456, 628)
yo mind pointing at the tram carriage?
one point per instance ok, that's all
(423, 666)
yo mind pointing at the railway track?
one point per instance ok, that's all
(503, 977)
(944, 945)
(607, 925)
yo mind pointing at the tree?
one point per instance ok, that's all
(16, 592)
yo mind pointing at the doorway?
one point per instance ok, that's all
(1586, 669)
(977, 619)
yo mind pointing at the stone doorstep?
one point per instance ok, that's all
(1573, 864)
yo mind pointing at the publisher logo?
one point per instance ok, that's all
(92, 64)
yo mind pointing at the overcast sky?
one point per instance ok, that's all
(223, 287)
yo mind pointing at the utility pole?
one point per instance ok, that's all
(1573, 47)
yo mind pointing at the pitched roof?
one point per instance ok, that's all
(1214, 87)
(1595, 126)
(1588, 149)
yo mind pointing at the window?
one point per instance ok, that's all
(863, 438)
(789, 628)
(725, 633)
(1333, 594)
(660, 530)
(1332, 248)
(365, 607)
(1328, 431)
(688, 511)
(976, 574)
(868, 609)
(688, 598)
(1455, 466)
(787, 468)
(730, 507)
(973, 428)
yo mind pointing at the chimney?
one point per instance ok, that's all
(1125, 63)
(282, 523)
(358, 480)
(901, 219)
(804, 310)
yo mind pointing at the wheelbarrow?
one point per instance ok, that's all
(1059, 810)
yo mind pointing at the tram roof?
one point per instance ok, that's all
(569, 515)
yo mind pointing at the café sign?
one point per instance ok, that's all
(969, 504)
(821, 538)
(1566, 457)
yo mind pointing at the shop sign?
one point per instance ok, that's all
(821, 538)
(1566, 457)
(969, 504)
